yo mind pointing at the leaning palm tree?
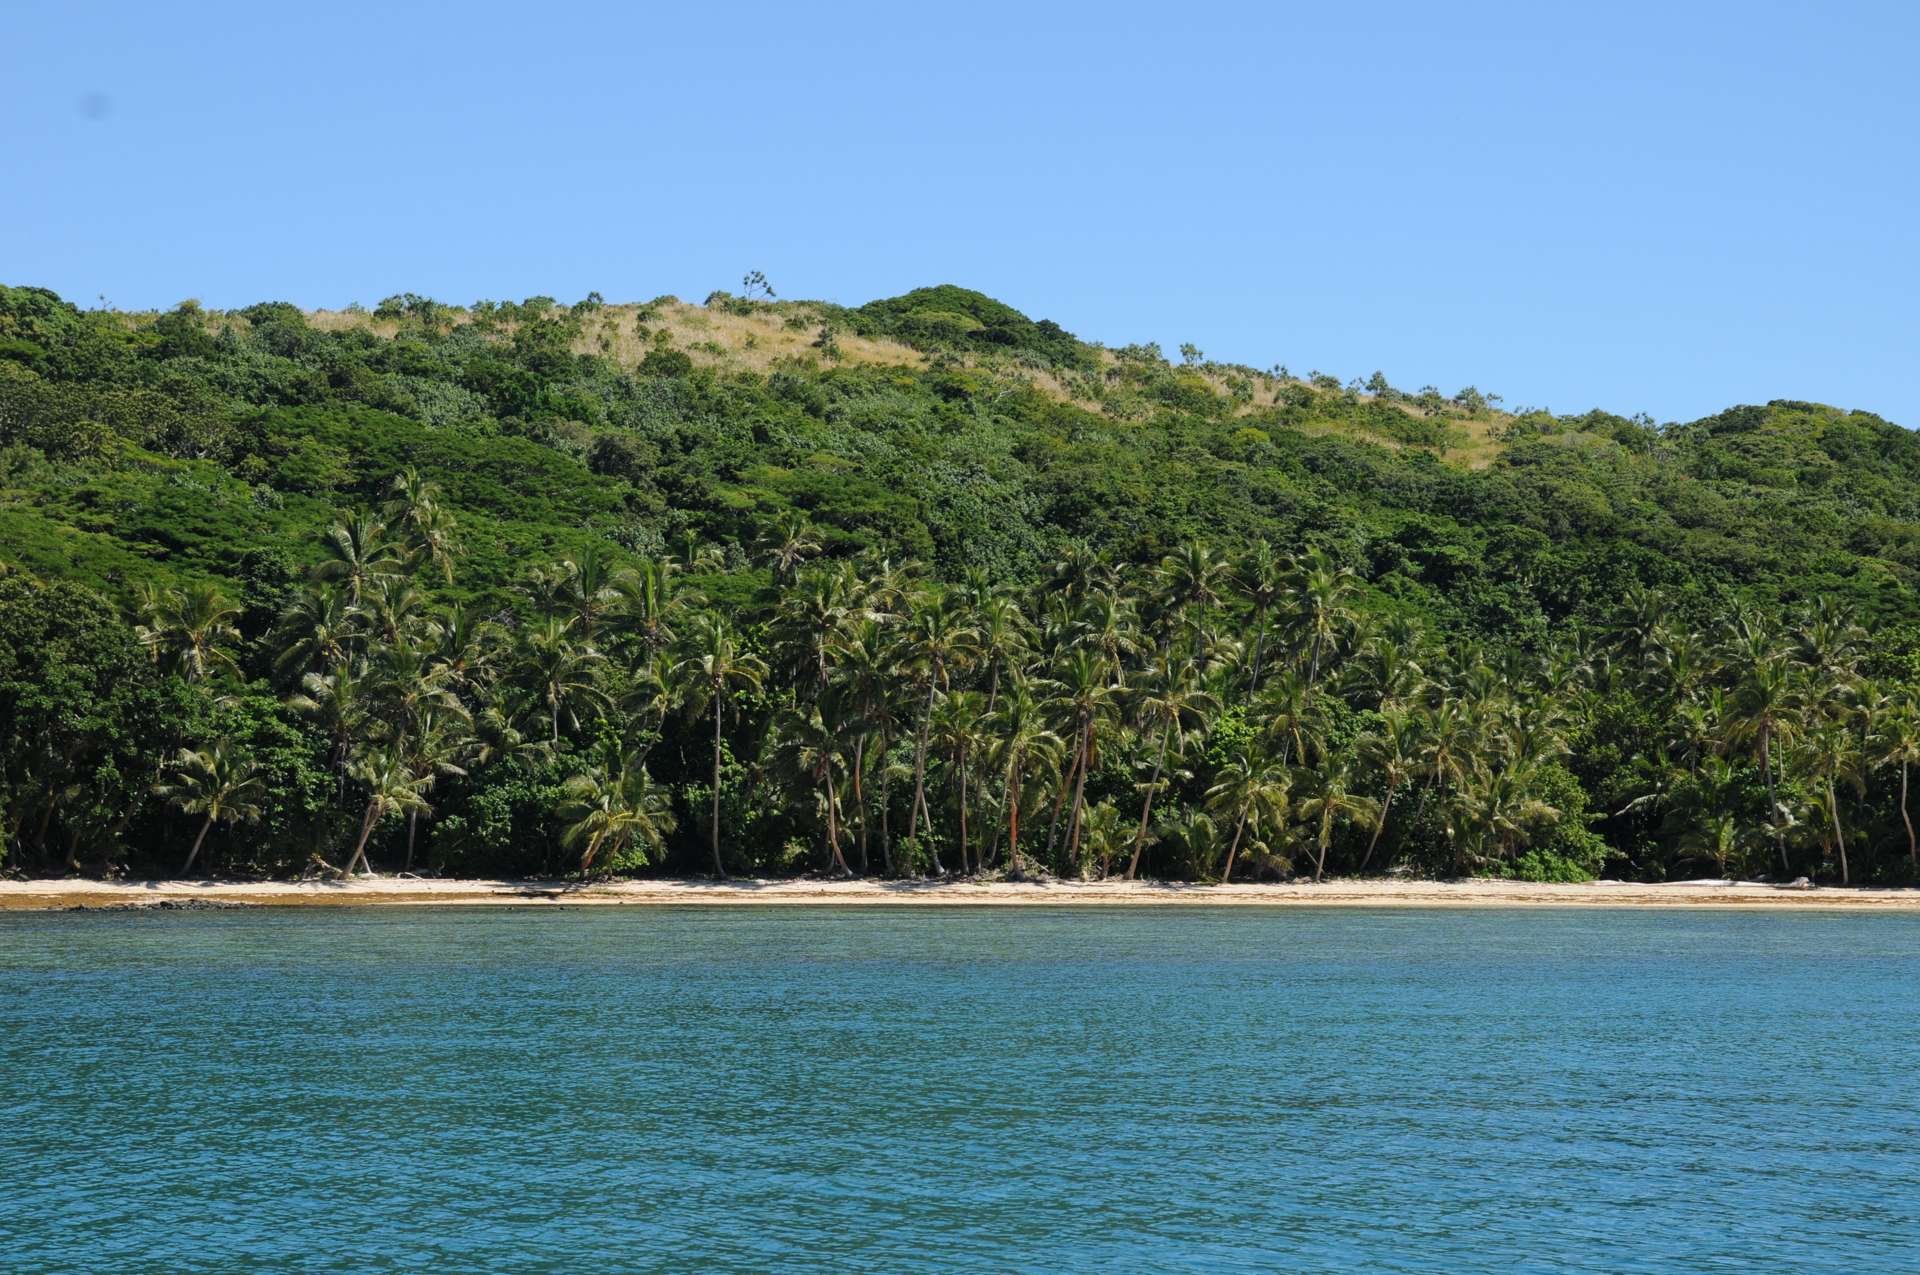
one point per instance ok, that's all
(218, 783)
(615, 814)
(717, 669)
(391, 786)
(1250, 788)
(440, 740)
(1326, 798)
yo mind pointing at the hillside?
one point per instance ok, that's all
(192, 449)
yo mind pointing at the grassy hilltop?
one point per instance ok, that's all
(952, 450)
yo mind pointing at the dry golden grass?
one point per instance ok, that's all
(758, 340)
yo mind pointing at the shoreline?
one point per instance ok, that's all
(59, 894)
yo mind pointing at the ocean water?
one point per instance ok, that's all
(602, 1090)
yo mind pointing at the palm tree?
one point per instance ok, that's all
(788, 541)
(957, 733)
(218, 783)
(414, 505)
(865, 673)
(1899, 745)
(440, 739)
(187, 629)
(319, 630)
(563, 672)
(1250, 787)
(1089, 698)
(810, 746)
(1498, 812)
(1021, 740)
(937, 640)
(716, 670)
(391, 786)
(1322, 605)
(652, 600)
(1327, 797)
(1262, 579)
(356, 553)
(613, 810)
(1394, 749)
(1833, 755)
(1168, 709)
(589, 587)
(1766, 708)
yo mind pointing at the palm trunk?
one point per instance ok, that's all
(960, 763)
(1013, 817)
(1773, 802)
(1060, 797)
(412, 818)
(719, 869)
(920, 811)
(1076, 820)
(1839, 837)
(1913, 854)
(1380, 824)
(366, 830)
(1234, 849)
(195, 852)
(1146, 808)
(1259, 644)
(860, 797)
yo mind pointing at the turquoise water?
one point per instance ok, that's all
(596, 1090)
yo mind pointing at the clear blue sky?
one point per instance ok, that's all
(1668, 208)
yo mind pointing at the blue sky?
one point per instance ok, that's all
(1665, 208)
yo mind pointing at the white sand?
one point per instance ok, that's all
(1370, 893)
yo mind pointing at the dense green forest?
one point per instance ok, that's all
(926, 586)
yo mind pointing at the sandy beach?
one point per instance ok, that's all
(409, 891)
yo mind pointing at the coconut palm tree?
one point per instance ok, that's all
(787, 542)
(1021, 741)
(1169, 709)
(1323, 798)
(958, 735)
(391, 786)
(1766, 708)
(937, 640)
(1898, 744)
(1250, 787)
(439, 741)
(1322, 606)
(319, 630)
(1833, 756)
(1263, 579)
(357, 553)
(414, 506)
(219, 783)
(1394, 750)
(614, 814)
(809, 747)
(563, 672)
(717, 669)
(187, 630)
